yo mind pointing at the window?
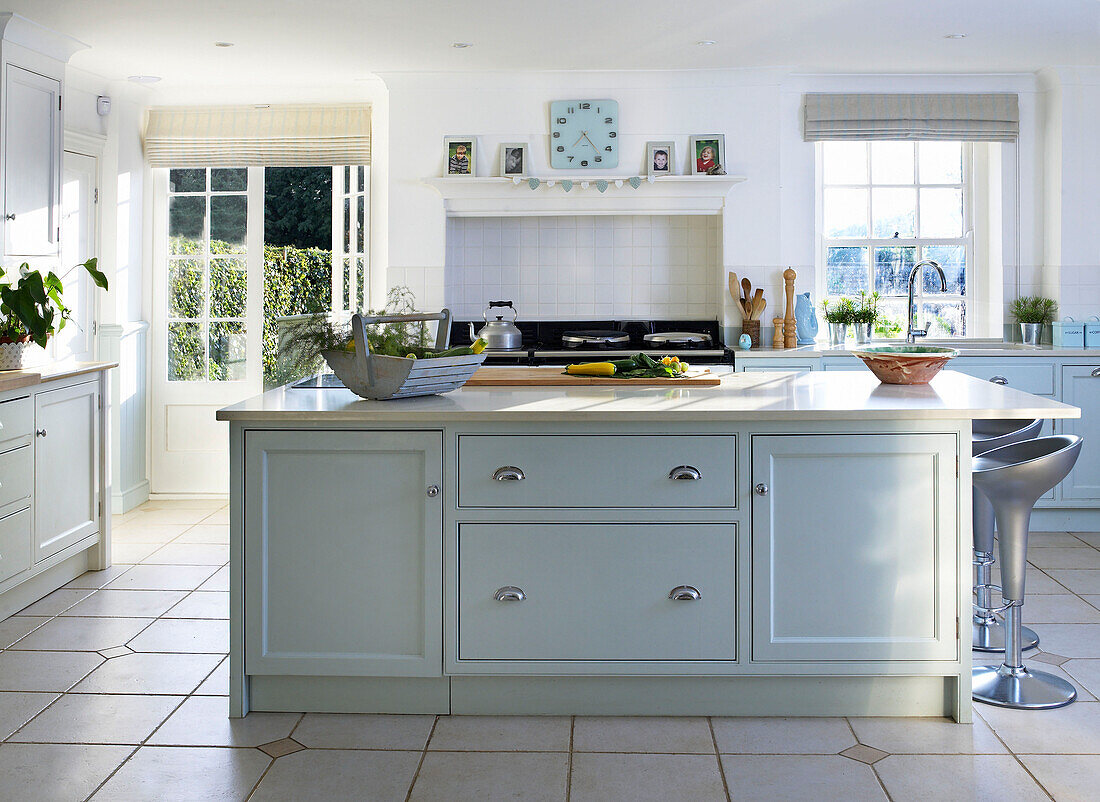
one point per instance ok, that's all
(350, 188)
(883, 207)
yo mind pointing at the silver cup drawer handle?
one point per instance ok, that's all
(685, 593)
(999, 380)
(1095, 373)
(510, 593)
(509, 473)
(685, 472)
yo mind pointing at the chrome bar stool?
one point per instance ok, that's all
(989, 632)
(1013, 478)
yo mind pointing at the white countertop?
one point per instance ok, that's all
(976, 348)
(18, 379)
(741, 397)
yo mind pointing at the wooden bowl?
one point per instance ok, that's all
(905, 364)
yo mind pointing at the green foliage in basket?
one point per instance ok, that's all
(31, 307)
(1034, 309)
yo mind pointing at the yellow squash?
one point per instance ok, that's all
(591, 369)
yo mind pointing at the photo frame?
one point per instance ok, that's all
(658, 154)
(703, 163)
(459, 156)
(513, 159)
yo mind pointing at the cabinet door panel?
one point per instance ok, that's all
(66, 462)
(32, 163)
(1081, 388)
(854, 547)
(343, 553)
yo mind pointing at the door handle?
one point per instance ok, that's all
(10, 216)
(685, 593)
(999, 380)
(40, 432)
(685, 472)
(509, 473)
(761, 489)
(1095, 373)
(510, 593)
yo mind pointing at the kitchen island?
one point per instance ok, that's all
(777, 545)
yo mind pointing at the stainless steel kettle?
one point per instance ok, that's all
(499, 334)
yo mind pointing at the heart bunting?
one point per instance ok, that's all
(635, 181)
(533, 183)
(601, 185)
(566, 184)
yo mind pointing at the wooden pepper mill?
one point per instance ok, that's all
(790, 332)
(777, 339)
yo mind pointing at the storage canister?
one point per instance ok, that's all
(1069, 333)
(1092, 332)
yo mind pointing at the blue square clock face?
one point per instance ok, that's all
(584, 134)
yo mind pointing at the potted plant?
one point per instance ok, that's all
(838, 317)
(31, 311)
(1033, 312)
(865, 315)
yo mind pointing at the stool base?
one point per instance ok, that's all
(991, 637)
(1020, 688)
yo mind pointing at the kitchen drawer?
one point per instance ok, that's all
(596, 471)
(16, 476)
(596, 592)
(16, 422)
(1031, 377)
(15, 543)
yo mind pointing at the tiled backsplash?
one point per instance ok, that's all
(584, 266)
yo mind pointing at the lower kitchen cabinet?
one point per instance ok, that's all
(853, 547)
(343, 553)
(66, 460)
(1081, 388)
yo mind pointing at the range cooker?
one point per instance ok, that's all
(556, 342)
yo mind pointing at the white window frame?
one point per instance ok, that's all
(976, 283)
(351, 268)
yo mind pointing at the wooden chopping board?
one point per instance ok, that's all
(553, 377)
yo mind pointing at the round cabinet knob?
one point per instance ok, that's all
(761, 489)
(433, 491)
(510, 593)
(685, 593)
(685, 472)
(999, 380)
(508, 473)
(10, 216)
(40, 432)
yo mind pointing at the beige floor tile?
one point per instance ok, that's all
(129, 603)
(791, 778)
(56, 772)
(1069, 640)
(202, 604)
(99, 719)
(175, 515)
(491, 776)
(1080, 581)
(1092, 538)
(1068, 778)
(131, 553)
(1038, 582)
(1074, 729)
(642, 734)
(83, 634)
(14, 628)
(927, 736)
(219, 518)
(1046, 540)
(188, 635)
(186, 774)
(1083, 693)
(217, 684)
(183, 504)
(947, 778)
(148, 673)
(640, 778)
(147, 533)
(163, 577)
(1085, 672)
(361, 731)
(97, 579)
(16, 709)
(44, 671)
(1059, 609)
(502, 733)
(219, 581)
(206, 533)
(55, 602)
(1081, 558)
(189, 554)
(782, 736)
(204, 721)
(333, 774)
(1093, 600)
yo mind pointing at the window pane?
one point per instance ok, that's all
(360, 280)
(185, 352)
(228, 223)
(362, 171)
(347, 179)
(347, 284)
(347, 225)
(892, 266)
(360, 222)
(186, 293)
(187, 180)
(891, 321)
(952, 259)
(845, 271)
(892, 162)
(845, 162)
(227, 351)
(232, 179)
(940, 162)
(942, 318)
(845, 212)
(186, 221)
(941, 213)
(227, 287)
(893, 212)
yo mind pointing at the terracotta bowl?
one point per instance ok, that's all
(906, 364)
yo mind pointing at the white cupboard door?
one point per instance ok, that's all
(343, 553)
(854, 543)
(66, 467)
(78, 244)
(1081, 388)
(32, 163)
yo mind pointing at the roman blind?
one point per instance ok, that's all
(988, 117)
(250, 136)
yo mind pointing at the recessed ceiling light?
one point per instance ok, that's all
(224, 44)
(706, 42)
(954, 36)
(461, 45)
(144, 79)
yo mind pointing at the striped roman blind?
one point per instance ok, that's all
(247, 136)
(988, 117)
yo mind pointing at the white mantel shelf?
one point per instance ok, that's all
(496, 196)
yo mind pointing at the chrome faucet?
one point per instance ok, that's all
(914, 332)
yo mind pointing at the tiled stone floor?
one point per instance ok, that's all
(114, 688)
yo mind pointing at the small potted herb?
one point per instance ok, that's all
(1033, 312)
(32, 311)
(838, 316)
(864, 316)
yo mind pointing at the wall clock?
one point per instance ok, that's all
(584, 134)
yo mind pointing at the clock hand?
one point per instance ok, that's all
(590, 142)
(584, 135)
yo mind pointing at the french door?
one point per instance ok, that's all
(78, 244)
